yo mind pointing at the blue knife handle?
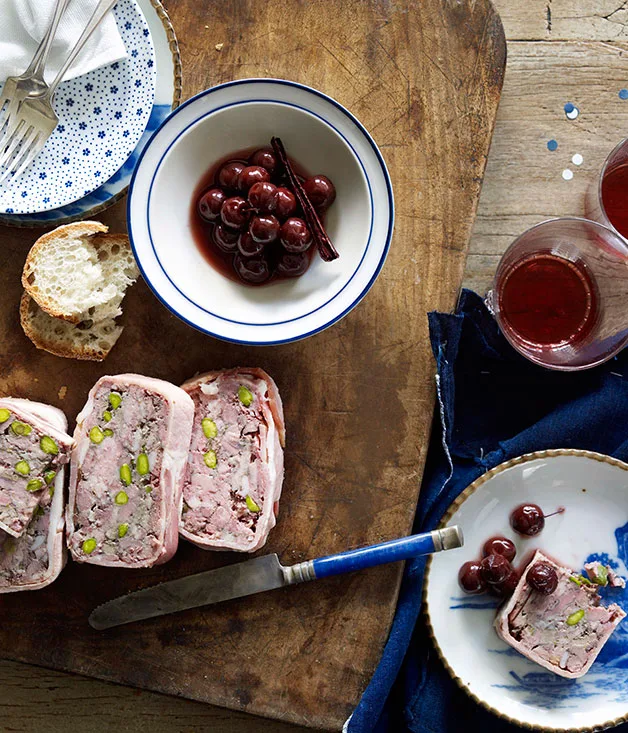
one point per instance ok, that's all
(401, 549)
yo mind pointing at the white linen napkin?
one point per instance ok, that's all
(24, 22)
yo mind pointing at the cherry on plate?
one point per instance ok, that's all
(264, 228)
(230, 172)
(495, 569)
(542, 577)
(265, 158)
(263, 196)
(500, 546)
(210, 203)
(250, 175)
(251, 269)
(295, 235)
(320, 191)
(226, 239)
(527, 520)
(507, 586)
(248, 247)
(235, 212)
(285, 203)
(470, 578)
(293, 264)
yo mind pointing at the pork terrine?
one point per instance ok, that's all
(32, 449)
(36, 558)
(132, 441)
(235, 467)
(564, 631)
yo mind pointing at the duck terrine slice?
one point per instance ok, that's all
(564, 631)
(132, 442)
(32, 449)
(36, 558)
(235, 468)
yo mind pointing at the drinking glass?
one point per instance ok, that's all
(595, 259)
(607, 198)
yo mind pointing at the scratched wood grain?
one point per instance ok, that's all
(425, 79)
(524, 182)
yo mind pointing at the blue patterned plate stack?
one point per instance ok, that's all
(105, 119)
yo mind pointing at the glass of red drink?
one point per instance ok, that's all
(560, 294)
(608, 201)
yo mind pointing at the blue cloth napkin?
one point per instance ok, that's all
(493, 406)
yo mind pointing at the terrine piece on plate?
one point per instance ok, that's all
(32, 449)
(604, 575)
(235, 468)
(563, 632)
(36, 558)
(132, 442)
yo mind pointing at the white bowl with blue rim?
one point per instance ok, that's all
(167, 98)
(318, 133)
(102, 117)
(593, 489)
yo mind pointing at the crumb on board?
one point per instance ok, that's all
(219, 46)
(62, 392)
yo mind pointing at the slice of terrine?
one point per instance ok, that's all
(35, 559)
(564, 631)
(132, 441)
(32, 450)
(235, 468)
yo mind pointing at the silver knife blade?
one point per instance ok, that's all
(234, 581)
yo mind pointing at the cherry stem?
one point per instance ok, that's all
(560, 510)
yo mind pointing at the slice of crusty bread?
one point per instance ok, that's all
(78, 272)
(87, 340)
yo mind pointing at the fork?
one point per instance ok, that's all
(17, 88)
(36, 119)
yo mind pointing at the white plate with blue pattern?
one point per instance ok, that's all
(593, 488)
(102, 116)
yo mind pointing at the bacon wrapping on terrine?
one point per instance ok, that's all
(235, 467)
(563, 632)
(35, 559)
(132, 441)
(32, 449)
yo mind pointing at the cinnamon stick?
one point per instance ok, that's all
(326, 249)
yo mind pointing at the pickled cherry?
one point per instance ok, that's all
(263, 196)
(210, 204)
(229, 173)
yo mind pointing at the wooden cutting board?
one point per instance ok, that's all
(425, 78)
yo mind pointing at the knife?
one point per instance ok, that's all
(261, 574)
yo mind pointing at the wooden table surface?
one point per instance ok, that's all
(559, 51)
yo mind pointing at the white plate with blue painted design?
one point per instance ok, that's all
(320, 135)
(102, 116)
(594, 491)
(167, 98)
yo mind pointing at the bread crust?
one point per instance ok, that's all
(51, 345)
